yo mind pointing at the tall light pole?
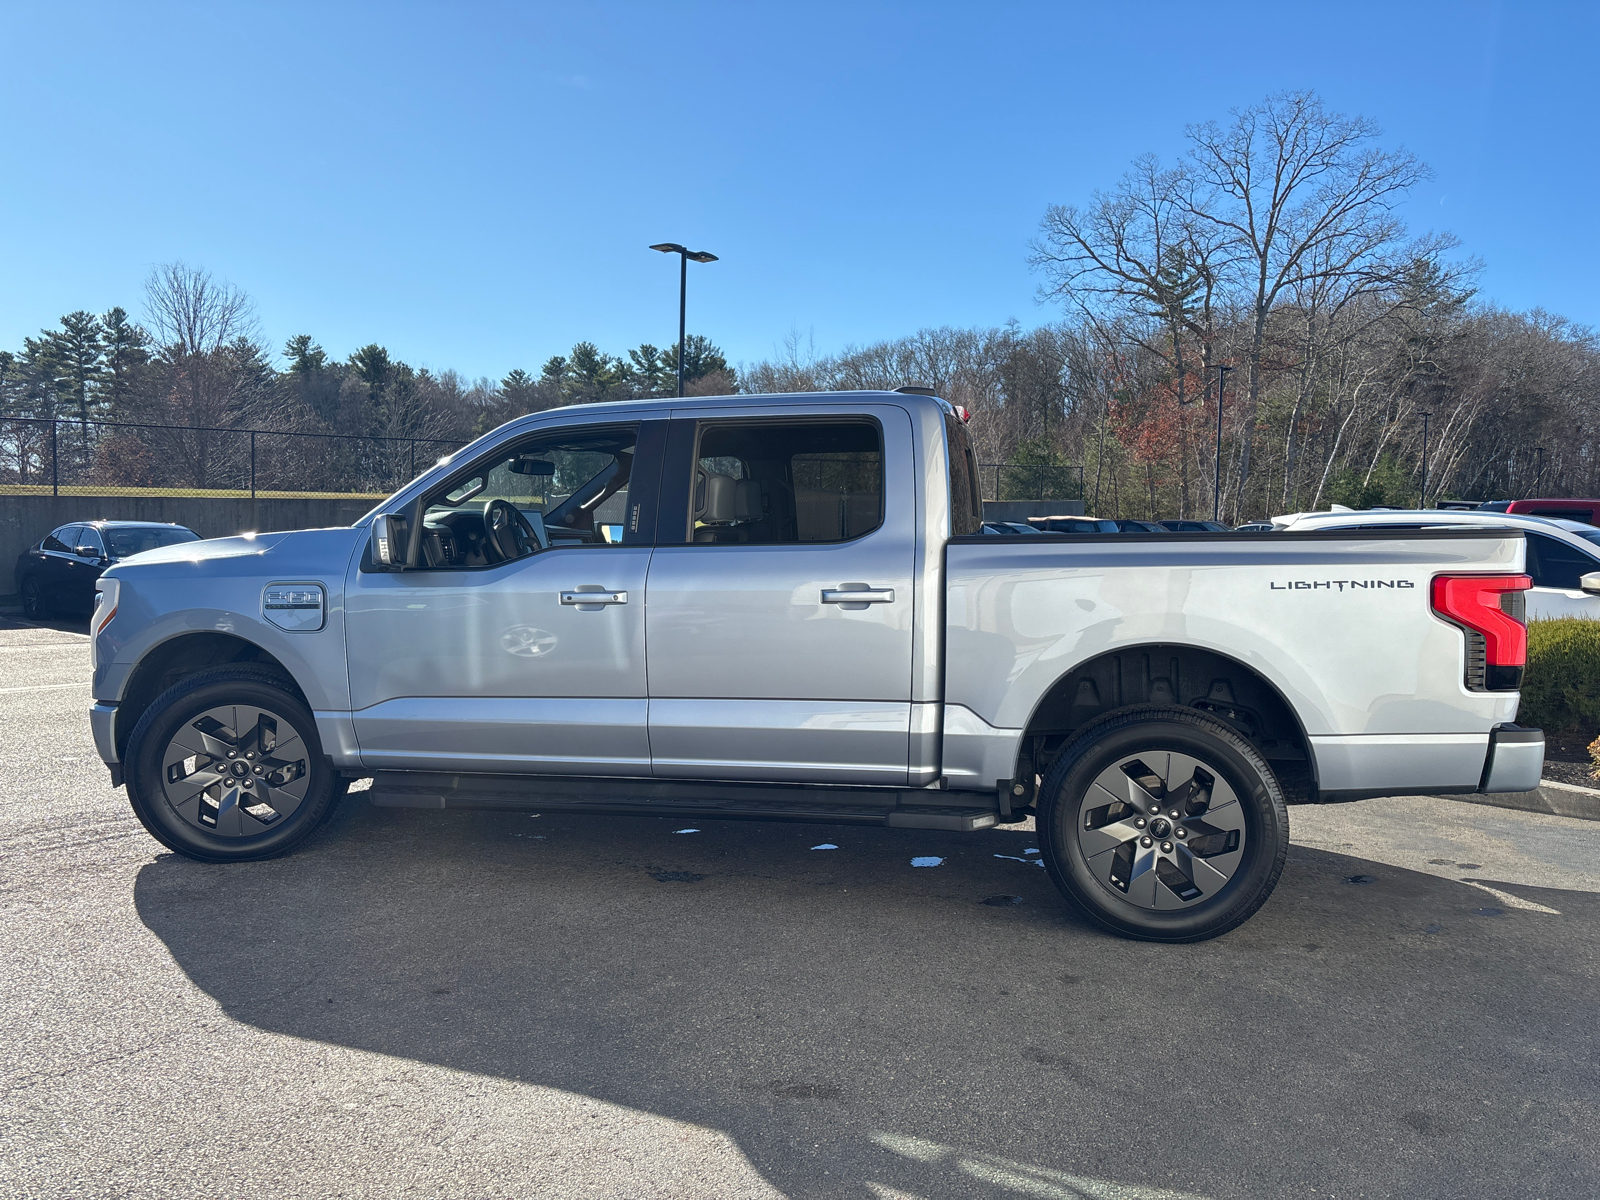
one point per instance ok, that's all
(1216, 491)
(684, 255)
(1425, 417)
(1538, 471)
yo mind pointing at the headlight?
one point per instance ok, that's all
(297, 607)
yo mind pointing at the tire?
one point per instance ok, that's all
(33, 601)
(1112, 845)
(254, 783)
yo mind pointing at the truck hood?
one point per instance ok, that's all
(204, 551)
(312, 553)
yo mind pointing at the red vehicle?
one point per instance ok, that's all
(1571, 510)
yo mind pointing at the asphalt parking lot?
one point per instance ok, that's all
(476, 1005)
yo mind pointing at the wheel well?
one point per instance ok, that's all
(175, 660)
(1183, 676)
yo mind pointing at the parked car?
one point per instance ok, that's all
(1128, 525)
(1254, 527)
(1196, 526)
(1563, 556)
(794, 615)
(1007, 528)
(59, 573)
(1587, 511)
(1072, 524)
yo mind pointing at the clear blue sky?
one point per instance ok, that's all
(474, 185)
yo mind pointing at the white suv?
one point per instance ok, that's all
(1563, 556)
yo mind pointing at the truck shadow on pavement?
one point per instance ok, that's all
(863, 1027)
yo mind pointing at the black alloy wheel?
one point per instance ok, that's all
(1163, 824)
(227, 767)
(33, 604)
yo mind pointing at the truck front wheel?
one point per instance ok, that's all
(227, 767)
(1163, 824)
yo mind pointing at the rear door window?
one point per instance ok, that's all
(60, 540)
(775, 482)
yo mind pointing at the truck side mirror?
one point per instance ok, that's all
(391, 542)
(1590, 583)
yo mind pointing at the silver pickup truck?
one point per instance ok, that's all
(782, 607)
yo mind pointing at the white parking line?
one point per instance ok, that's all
(43, 687)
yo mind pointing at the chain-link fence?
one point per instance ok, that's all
(43, 457)
(1030, 481)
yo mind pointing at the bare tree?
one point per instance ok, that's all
(1298, 193)
(211, 368)
(1139, 253)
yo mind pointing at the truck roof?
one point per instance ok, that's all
(745, 400)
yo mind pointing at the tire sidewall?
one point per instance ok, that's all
(147, 748)
(1266, 825)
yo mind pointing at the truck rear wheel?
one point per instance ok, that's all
(1163, 824)
(227, 767)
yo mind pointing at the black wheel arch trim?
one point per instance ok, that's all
(1146, 647)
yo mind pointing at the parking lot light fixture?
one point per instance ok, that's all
(684, 256)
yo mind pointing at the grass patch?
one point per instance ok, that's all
(1561, 688)
(28, 489)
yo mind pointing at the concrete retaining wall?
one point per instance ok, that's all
(26, 519)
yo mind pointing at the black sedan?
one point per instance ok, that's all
(59, 573)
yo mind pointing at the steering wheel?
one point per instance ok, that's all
(508, 530)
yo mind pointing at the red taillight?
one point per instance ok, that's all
(1490, 607)
(963, 414)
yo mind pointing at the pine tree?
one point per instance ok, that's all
(127, 350)
(649, 369)
(80, 354)
(700, 359)
(519, 392)
(304, 355)
(374, 368)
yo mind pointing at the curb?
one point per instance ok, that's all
(1555, 799)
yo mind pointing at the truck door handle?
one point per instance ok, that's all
(595, 598)
(858, 596)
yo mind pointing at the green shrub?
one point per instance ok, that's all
(1561, 689)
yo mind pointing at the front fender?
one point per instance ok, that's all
(221, 592)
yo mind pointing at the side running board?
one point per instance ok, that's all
(896, 809)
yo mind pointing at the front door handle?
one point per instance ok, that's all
(858, 595)
(595, 598)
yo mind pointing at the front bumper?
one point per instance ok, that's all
(1516, 759)
(102, 723)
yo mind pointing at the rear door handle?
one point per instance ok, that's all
(594, 598)
(860, 596)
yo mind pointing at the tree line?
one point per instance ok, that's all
(197, 364)
(1273, 248)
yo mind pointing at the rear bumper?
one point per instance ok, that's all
(1516, 759)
